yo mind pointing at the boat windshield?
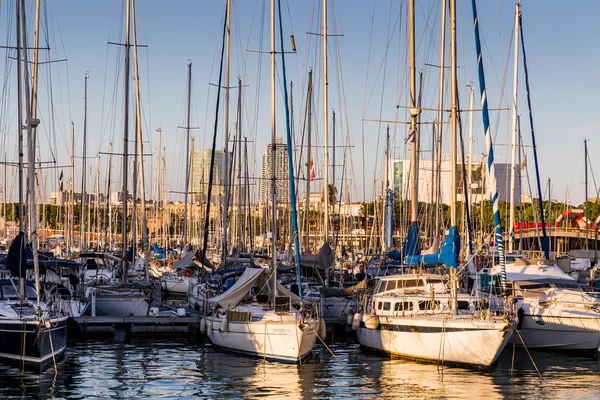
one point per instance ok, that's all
(9, 293)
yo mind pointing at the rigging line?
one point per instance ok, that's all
(589, 161)
(58, 75)
(385, 59)
(383, 64)
(365, 105)
(102, 116)
(214, 143)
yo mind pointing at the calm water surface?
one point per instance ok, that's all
(165, 368)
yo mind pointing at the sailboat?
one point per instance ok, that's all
(553, 311)
(30, 333)
(124, 299)
(403, 316)
(257, 316)
(180, 279)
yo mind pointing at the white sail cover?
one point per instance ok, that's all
(282, 291)
(185, 261)
(240, 288)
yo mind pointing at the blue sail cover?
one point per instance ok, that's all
(447, 256)
(412, 246)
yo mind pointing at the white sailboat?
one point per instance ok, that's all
(277, 331)
(30, 333)
(554, 312)
(402, 327)
(271, 322)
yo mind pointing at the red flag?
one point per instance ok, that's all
(312, 174)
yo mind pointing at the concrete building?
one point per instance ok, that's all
(282, 186)
(64, 198)
(399, 177)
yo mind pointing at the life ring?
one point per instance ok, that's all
(187, 272)
(170, 264)
(156, 264)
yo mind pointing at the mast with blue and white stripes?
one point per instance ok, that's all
(488, 142)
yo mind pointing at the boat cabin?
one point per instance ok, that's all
(411, 283)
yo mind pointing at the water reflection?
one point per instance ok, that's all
(184, 369)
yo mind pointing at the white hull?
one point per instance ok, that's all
(336, 307)
(283, 341)
(176, 284)
(560, 332)
(119, 305)
(451, 339)
(198, 295)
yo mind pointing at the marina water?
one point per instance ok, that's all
(181, 368)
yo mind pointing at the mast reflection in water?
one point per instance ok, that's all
(185, 369)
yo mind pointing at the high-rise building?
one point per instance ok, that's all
(282, 185)
(200, 174)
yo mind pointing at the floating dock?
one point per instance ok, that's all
(146, 326)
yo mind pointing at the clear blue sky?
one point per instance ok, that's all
(562, 49)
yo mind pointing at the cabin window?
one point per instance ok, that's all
(387, 306)
(403, 306)
(409, 283)
(381, 287)
(567, 285)
(429, 305)
(463, 305)
(9, 293)
(377, 285)
(379, 305)
(391, 285)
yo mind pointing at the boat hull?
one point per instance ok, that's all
(287, 342)
(29, 343)
(334, 308)
(438, 338)
(122, 305)
(176, 284)
(560, 333)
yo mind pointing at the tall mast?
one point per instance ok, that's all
(440, 123)
(125, 147)
(240, 189)
(34, 69)
(248, 219)
(332, 172)
(20, 116)
(513, 165)
(453, 94)
(385, 186)
(227, 182)
(545, 243)
(140, 146)
(71, 235)
(414, 112)
(187, 155)
(489, 144)
(31, 131)
(273, 157)
(309, 165)
(158, 186)
(453, 144)
(325, 126)
(585, 162)
(109, 203)
(471, 112)
(82, 244)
